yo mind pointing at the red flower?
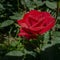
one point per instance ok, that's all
(35, 22)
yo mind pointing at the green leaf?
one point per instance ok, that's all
(46, 37)
(51, 5)
(56, 40)
(6, 23)
(39, 3)
(15, 53)
(58, 25)
(46, 46)
(58, 17)
(30, 53)
(17, 16)
(30, 4)
(57, 34)
(1, 6)
(14, 43)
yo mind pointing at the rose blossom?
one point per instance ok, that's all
(35, 22)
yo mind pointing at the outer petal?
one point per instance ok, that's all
(20, 21)
(48, 27)
(26, 19)
(45, 14)
(23, 33)
(24, 25)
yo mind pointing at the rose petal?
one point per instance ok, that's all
(24, 25)
(47, 28)
(20, 21)
(23, 33)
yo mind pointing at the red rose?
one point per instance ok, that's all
(35, 22)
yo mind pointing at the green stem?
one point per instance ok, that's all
(10, 31)
(40, 42)
(57, 9)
